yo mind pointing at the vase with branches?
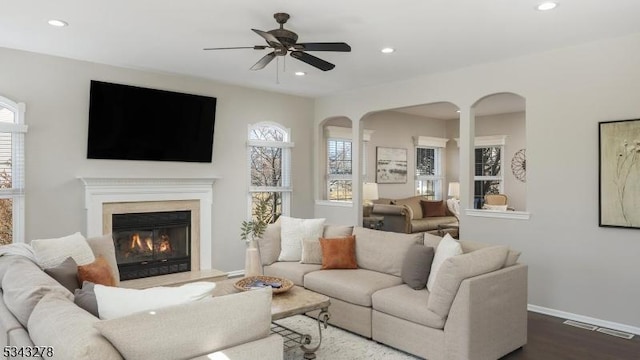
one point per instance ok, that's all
(250, 232)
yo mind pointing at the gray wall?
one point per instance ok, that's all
(394, 129)
(574, 266)
(513, 125)
(56, 93)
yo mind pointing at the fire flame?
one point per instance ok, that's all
(138, 244)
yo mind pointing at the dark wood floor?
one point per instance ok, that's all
(549, 339)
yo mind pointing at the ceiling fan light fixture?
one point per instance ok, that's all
(387, 50)
(549, 5)
(300, 73)
(57, 23)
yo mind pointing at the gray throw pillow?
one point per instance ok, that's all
(86, 298)
(66, 274)
(417, 266)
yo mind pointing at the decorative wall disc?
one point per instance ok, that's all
(519, 165)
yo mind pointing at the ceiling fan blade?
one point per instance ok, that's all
(264, 61)
(270, 38)
(255, 47)
(312, 60)
(327, 46)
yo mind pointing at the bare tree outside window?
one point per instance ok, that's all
(339, 169)
(266, 170)
(488, 172)
(6, 205)
(428, 172)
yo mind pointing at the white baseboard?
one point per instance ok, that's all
(584, 319)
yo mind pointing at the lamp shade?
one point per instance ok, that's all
(369, 191)
(454, 189)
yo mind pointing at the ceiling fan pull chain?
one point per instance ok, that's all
(277, 68)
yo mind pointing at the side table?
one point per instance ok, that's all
(373, 222)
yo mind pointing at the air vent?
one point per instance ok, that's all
(617, 333)
(580, 325)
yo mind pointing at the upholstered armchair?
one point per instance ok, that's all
(496, 202)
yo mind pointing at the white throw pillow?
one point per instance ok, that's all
(116, 302)
(447, 248)
(52, 252)
(293, 231)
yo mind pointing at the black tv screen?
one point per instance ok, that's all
(135, 123)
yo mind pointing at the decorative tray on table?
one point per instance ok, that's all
(278, 285)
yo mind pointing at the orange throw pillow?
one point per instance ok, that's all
(98, 272)
(339, 253)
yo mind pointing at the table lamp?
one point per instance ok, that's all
(369, 192)
(454, 190)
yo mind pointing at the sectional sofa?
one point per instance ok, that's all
(477, 309)
(36, 310)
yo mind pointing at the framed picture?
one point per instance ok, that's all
(391, 165)
(619, 166)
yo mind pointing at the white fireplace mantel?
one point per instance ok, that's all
(99, 191)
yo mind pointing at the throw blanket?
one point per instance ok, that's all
(19, 249)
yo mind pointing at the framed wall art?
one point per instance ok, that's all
(619, 166)
(391, 165)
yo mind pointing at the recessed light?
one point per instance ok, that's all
(458, 111)
(547, 6)
(387, 50)
(300, 73)
(58, 23)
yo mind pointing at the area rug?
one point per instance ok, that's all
(338, 344)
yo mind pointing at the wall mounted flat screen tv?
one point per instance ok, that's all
(135, 123)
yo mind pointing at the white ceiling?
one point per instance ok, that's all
(429, 35)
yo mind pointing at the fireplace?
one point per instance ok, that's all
(152, 243)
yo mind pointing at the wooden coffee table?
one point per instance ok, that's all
(296, 301)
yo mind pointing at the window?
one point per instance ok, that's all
(429, 173)
(488, 173)
(339, 162)
(12, 130)
(270, 168)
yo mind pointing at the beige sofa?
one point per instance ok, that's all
(465, 317)
(406, 216)
(36, 310)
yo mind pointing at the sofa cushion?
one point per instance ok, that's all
(417, 266)
(336, 231)
(116, 302)
(269, 244)
(339, 253)
(457, 268)
(353, 286)
(469, 246)
(431, 223)
(447, 248)
(85, 298)
(291, 270)
(103, 246)
(191, 330)
(24, 284)
(383, 251)
(52, 252)
(311, 251)
(98, 272)
(431, 208)
(406, 303)
(414, 204)
(58, 322)
(66, 274)
(292, 231)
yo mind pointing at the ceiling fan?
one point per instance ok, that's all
(283, 41)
